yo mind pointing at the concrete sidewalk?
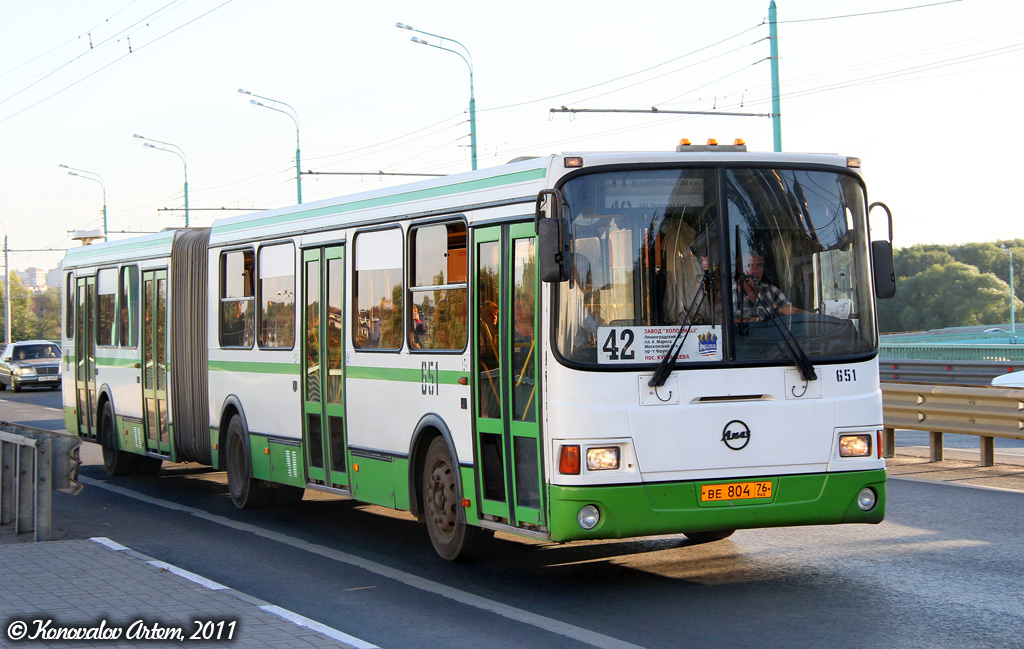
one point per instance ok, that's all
(96, 586)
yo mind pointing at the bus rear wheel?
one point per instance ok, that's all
(453, 539)
(115, 461)
(246, 492)
(708, 537)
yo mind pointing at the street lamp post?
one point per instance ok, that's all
(468, 58)
(294, 114)
(1013, 319)
(7, 292)
(178, 152)
(96, 178)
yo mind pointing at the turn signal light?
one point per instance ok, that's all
(569, 460)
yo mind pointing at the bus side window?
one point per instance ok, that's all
(69, 307)
(277, 296)
(237, 310)
(438, 290)
(378, 284)
(106, 307)
(129, 306)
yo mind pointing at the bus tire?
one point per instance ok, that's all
(246, 491)
(453, 539)
(115, 461)
(708, 537)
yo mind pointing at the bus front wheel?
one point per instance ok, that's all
(453, 539)
(246, 492)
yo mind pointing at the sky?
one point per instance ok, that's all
(927, 96)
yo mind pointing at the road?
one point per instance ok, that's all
(943, 570)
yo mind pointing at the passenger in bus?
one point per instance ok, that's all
(753, 298)
(488, 361)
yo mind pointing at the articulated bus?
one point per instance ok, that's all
(577, 346)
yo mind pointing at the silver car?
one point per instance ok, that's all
(30, 363)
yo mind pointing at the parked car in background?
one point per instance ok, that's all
(30, 363)
(1011, 380)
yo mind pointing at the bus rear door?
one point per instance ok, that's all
(323, 370)
(85, 356)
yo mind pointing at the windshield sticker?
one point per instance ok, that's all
(617, 345)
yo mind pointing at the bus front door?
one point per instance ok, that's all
(85, 356)
(508, 450)
(154, 361)
(323, 371)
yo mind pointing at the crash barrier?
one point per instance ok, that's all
(1005, 353)
(34, 462)
(985, 412)
(945, 372)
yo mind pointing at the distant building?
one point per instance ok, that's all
(34, 279)
(53, 277)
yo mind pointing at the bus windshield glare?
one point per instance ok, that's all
(760, 265)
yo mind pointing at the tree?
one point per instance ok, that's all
(23, 321)
(949, 295)
(46, 307)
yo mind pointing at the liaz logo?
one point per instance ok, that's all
(736, 435)
(707, 344)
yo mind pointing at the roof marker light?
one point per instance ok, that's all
(573, 162)
(684, 142)
(712, 141)
(738, 142)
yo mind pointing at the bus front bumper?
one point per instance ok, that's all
(677, 507)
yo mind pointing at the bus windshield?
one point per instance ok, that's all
(758, 264)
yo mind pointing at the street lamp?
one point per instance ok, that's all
(1013, 330)
(7, 292)
(179, 152)
(294, 114)
(468, 58)
(96, 178)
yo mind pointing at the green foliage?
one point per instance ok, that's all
(32, 317)
(949, 286)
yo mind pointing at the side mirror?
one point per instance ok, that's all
(883, 269)
(552, 235)
(882, 266)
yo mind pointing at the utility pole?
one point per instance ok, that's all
(7, 294)
(773, 37)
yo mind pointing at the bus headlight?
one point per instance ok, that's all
(854, 445)
(588, 517)
(604, 458)
(866, 499)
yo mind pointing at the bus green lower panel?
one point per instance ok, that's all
(373, 480)
(672, 508)
(276, 462)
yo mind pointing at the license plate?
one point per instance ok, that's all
(736, 491)
(47, 378)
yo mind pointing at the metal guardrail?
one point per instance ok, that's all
(951, 351)
(985, 412)
(34, 462)
(944, 372)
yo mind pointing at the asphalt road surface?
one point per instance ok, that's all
(943, 570)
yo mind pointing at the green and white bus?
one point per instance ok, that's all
(578, 346)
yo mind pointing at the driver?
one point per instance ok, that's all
(755, 299)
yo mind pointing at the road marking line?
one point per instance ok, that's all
(912, 478)
(291, 616)
(330, 632)
(558, 627)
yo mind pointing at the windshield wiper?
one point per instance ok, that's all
(668, 363)
(796, 352)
